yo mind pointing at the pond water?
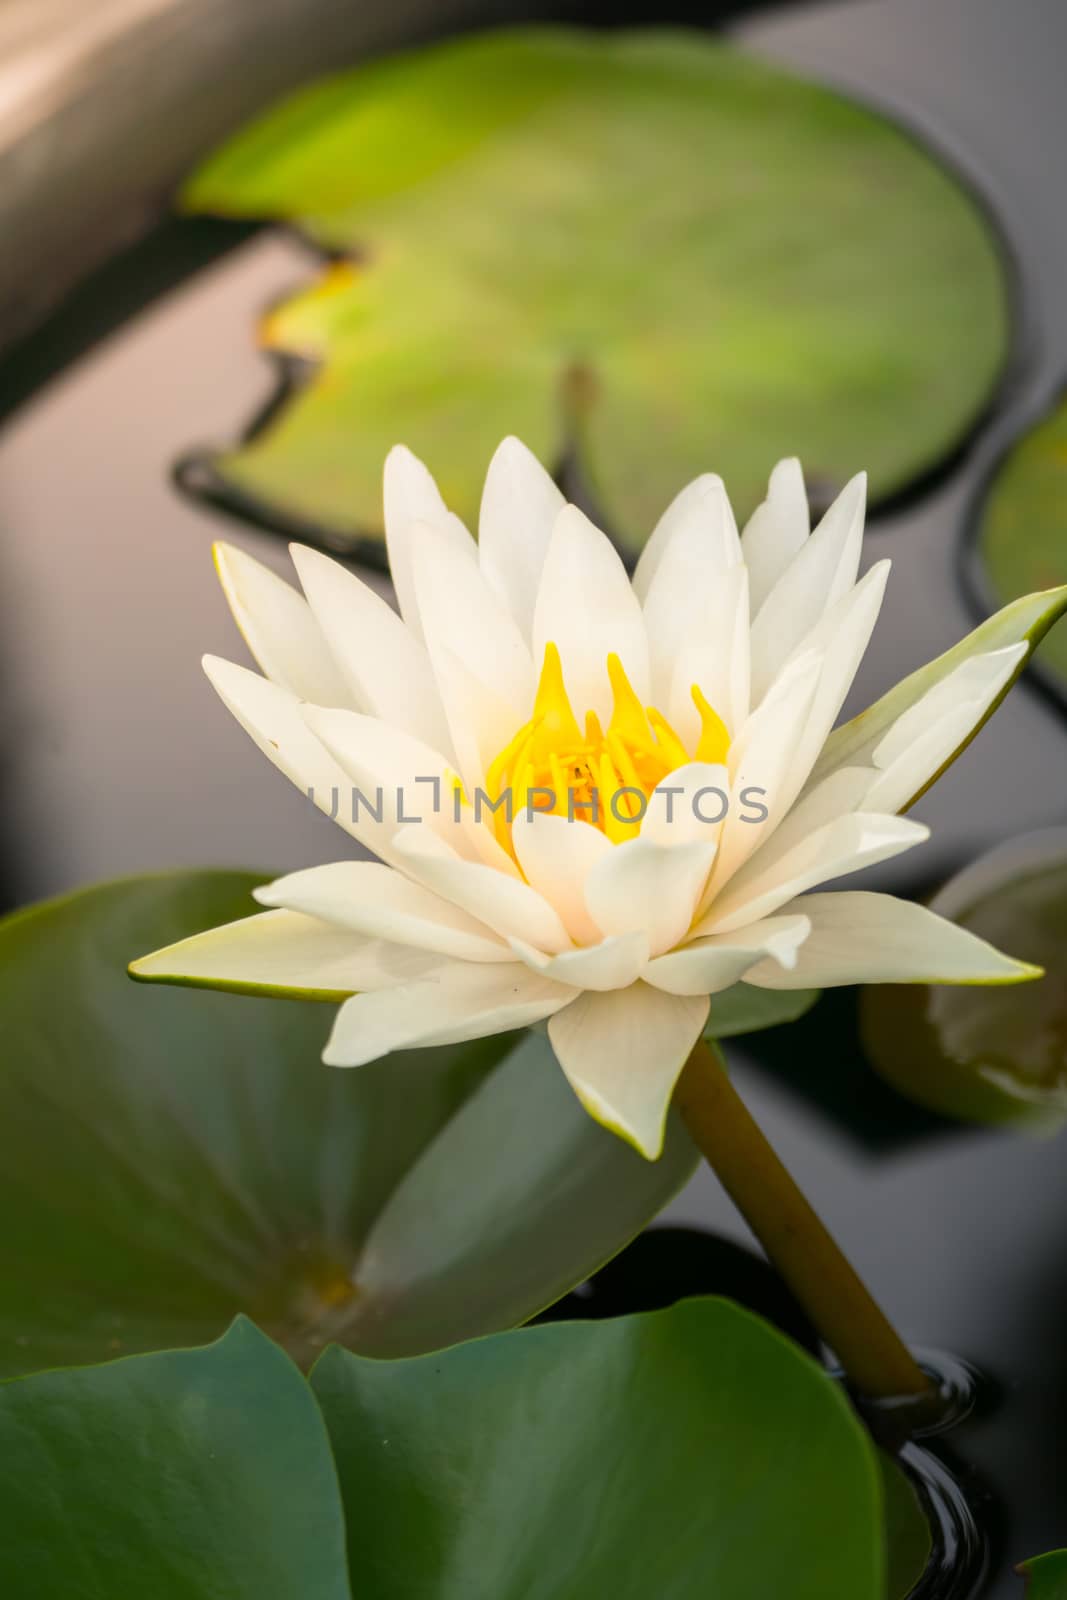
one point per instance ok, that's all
(116, 756)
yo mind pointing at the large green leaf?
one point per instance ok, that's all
(643, 252)
(1046, 1576)
(1022, 525)
(995, 1054)
(188, 1475)
(170, 1157)
(680, 1454)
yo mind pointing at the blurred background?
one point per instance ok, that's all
(127, 338)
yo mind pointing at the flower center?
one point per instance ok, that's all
(601, 777)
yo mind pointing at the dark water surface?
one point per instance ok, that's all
(116, 756)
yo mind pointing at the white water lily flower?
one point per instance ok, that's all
(687, 712)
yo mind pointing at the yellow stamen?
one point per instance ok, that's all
(494, 780)
(584, 772)
(623, 761)
(611, 815)
(521, 786)
(552, 704)
(668, 741)
(714, 741)
(628, 718)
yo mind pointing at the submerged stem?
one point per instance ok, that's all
(874, 1357)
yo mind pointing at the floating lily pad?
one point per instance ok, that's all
(1046, 1576)
(187, 1475)
(908, 1538)
(996, 1054)
(172, 1157)
(645, 253)
(686, 1453)
(1022, 524)
(690, 1452)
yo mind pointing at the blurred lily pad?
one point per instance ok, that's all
(1022, 524)
(169, 1158)
(996, 1054)
(684, 1453)
(1046, 1576)
(644, 253)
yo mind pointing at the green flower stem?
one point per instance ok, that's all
(874, 1357)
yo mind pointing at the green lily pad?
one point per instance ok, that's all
(683, 1454)
(1046, 1576)
(1022, 524)
(173, 1157)
(188, 1475)
(745, 1009)
(645, 252)
(907, 1532)
(997, 1054)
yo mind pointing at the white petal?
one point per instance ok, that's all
(714, 656)
(761, 766)
(843, 846)
(482, 842)
(461, 613)
(1024, 621)
(690, 507)
(859, 937)
(975, 683)
(274, 718)
(702, 545)
(458, 1001)
(507, 905)
(776, 530)
(930, 733)
(586, 607)
(823, 570)
(614, 963)
(480, 722)
(520, 504)
(283, 953)
(390, 776)
(647, 886)
(381, 903)
(386, 668)
(841, 638)
(689, 804)
(913, 768)
(279, 629)
(411, 497)
(556, 856)
(483, 668)
(844, 791)
(708, 965)
(623, 1053)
